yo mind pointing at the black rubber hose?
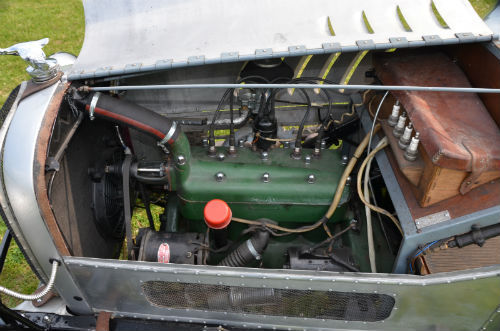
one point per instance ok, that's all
(130, 114)
(477, 236)
(251, 250)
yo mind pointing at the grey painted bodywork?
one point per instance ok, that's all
(138, 36)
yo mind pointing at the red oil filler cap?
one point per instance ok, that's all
(217, 214)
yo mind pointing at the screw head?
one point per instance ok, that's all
(323, 144)
(221, 156)
(241, 143)
(345, 159)
(311, 179)
(220, 176)
(286, 144)
(307, 159)
(205, 142)
(266, 178)
(181, 160)
(264, 155)
(46, 319)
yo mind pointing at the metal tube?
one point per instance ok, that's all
(305, 86)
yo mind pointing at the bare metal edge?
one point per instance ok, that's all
(4, 200)
(214, 274)
(328, 48)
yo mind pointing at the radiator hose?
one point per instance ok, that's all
(249, 251)
(166, 131)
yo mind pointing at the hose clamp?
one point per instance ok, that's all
(253, 250)
(169, 134)
(93, 104)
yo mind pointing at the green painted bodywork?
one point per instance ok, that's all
(287, 198)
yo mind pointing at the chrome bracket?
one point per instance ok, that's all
(93, 104)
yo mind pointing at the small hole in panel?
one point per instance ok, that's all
(438, 16)
(403, 21)
(367, 23)
(330, 26)
(77, 298)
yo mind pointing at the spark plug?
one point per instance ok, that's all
(393, 119)
(405, 139)
(412, 150)
(400, 126)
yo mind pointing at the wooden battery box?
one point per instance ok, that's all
(459, 140)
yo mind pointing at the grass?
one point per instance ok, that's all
(61, 21)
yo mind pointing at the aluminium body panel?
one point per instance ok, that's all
(421, 303)
(18, 170)
(126, 37)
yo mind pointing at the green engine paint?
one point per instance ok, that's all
(286, 198)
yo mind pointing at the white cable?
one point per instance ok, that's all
(369, 228)
(30, 297)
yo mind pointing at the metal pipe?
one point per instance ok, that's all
(305, 86)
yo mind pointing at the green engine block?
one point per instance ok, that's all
(277, 187)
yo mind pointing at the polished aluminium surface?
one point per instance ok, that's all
(4, 201)
(421, 302)
(126, 37)
(40, 67)
(18, 162)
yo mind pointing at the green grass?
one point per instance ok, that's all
(61, 21)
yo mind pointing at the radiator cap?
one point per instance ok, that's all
(217, 214)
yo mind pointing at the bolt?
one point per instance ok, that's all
(400, 126)
(221, 156)
(232, 150)
(405, 139)
(307, 159)
(296, 154)
(205, 142)
(345, 160)
(412, 150)
(212, 151)
(266, 178)
(317, 152)
(393, 119)
(181, 160)
(323, 144)
(220, 176)
(348, 181)
(286, 144)
(264, 155)
(46, 319)
(311, 179)
(241, 143)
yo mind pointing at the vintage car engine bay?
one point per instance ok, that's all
(324, 187)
